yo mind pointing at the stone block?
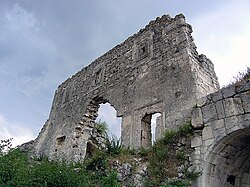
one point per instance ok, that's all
(216, 96)
(202, 101)
(196, 121)
(245, 97)
(208, 142)
(220, 109)
(196, 141)
(228, 91)
(218, 124)
(245, 178)
(244, 121)
(219, 132)
(231, 122)
(233, 106)
(209, 113)
(207, 133)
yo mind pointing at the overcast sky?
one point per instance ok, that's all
(43, 42)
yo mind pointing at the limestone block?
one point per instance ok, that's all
(231, 122)
(216, 96)
(233, 129)
(219, 132)
(244, 121)
(233, 106)
(220, 109)
(207, 133)
(245, 178)
(208, 142)
(228, 91)
(196, 121)
(209, 113)
(196, 141)
(201, 102)
(245, 97)
(219, 124)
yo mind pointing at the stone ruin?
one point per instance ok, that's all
(157, 70)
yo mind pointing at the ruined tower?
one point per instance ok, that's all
(157, 70)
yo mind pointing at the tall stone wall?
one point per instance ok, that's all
(157, 70)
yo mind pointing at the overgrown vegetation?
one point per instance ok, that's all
(241, 78)
(166, 160)
(17, 170)
(101, 127)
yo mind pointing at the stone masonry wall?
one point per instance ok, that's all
(222, 139)
(157, 70)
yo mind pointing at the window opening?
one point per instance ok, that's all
(148, 129)
(154, 126)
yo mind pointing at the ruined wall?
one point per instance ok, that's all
(222, 139)
(157, 70)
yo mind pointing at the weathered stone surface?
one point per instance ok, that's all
(196, 141)
(196, 120)
(233, 106)
(207, 133)
(209, 113)
(157, 70)
(216, 96)
(224, 150)
(202, 101)
(245, 97)
(220, 109)
(228, 91)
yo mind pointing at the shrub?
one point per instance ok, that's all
(5, 146)
(101, 127)
(113, 146)
(111, 180)
(167, 155)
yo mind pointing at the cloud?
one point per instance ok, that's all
(108, 114)
(17, 131)
(224, 36)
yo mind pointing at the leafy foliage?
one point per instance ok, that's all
(17, 170)
(5, 146)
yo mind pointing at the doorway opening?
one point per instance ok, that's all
(107, 113)
(149, 125)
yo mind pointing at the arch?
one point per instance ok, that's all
(228, 161)
(108, 114)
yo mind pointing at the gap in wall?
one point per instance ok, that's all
(107, 113)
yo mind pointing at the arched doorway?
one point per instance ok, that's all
(228, 164)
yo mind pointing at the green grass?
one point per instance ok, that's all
(163, 159)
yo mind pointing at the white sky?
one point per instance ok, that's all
(42, 43)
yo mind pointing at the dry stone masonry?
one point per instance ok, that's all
(222, 138)
(157, 70)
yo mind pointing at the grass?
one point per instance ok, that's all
(241, 78)
(163, 160)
